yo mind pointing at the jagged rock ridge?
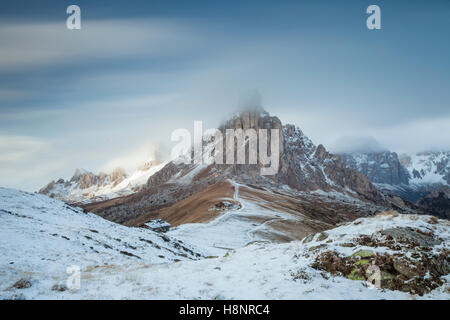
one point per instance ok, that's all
(85, 186)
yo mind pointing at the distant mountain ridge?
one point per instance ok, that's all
(411, 177)
(85, 186)
(428, 167)
(379, 167)
(387, 167)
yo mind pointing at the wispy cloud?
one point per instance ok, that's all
(10, 94)
(27, 45)
(132, 158)
(15, 149)
(24, 160)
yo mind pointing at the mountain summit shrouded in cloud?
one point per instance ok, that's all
(136, 73)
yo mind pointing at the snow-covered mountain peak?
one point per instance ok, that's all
(428, 167)
(85, 186)
(409, 176)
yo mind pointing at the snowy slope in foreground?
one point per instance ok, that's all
(40, 237)
(260, 271)
(257, 271)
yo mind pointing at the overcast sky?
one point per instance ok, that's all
(111, 93)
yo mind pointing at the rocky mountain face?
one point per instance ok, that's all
(380, 167)
(85, 186)
(417, 178)
(410, 177)
(303, 166)
(304, 169)
(422, 171)
(437, 202)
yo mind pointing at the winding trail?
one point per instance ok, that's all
(234, 228)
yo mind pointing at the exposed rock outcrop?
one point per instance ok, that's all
(437, 202)
(410, 256)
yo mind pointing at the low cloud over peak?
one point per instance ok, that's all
(362, 144)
